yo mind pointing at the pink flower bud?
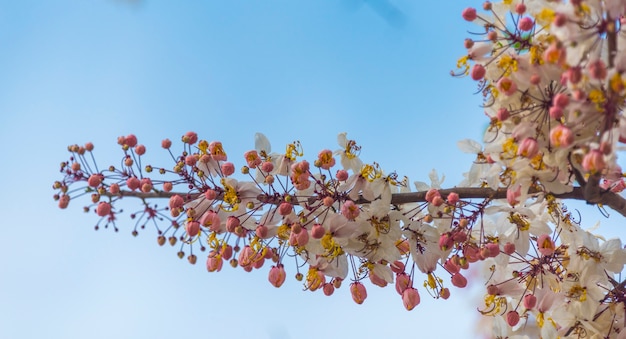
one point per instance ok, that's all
(176, 202)
(210, 194)
(446, 241)
(530, 301)
(469, 14)
(597, 69)
(525, 24)
(227, 252)
(493, 290)
(358, 291)
(560, 19)
(130, 140)
(94, 180)
(342, 175)
(410, 298)
(502, 114)
(509, 248)
(114, 189)
(453, 198)
(560, 100)
(267, 167)
(146, 185)
(133, 183)
(228, 168)
(445, 293)
(520, 8)
(318, 231)
(285, 208)
(431, 194)
(555, 112)
(328, 289)
(192, 228)
(512, 318)
(493, 249)
(103, 209)
(140, 149)
(166, 143)
(277, 275)
(261, 231)
(191, 160)
(303, 238)
(478, 72)
(190, 138)
(232, 223)
(459, 280)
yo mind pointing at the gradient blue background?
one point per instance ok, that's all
(78, 71)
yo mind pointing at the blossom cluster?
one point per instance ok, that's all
(552, 77)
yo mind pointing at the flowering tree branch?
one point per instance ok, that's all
(553, 77)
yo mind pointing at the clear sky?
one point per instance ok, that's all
(78, 71)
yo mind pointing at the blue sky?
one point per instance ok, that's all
(78, 71)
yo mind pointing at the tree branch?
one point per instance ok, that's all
(610, 199)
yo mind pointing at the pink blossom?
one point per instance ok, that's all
(561, 136)
(528, 148)
(252, 158)
(593, 162)
(506, 86)
(190, 138)
(325, 159)
(350, 210)
(545, 245)
(217, 151)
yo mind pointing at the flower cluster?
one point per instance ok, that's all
(552, 77)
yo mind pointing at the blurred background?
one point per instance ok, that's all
(78, 71)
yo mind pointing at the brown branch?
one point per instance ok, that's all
(610, 199)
